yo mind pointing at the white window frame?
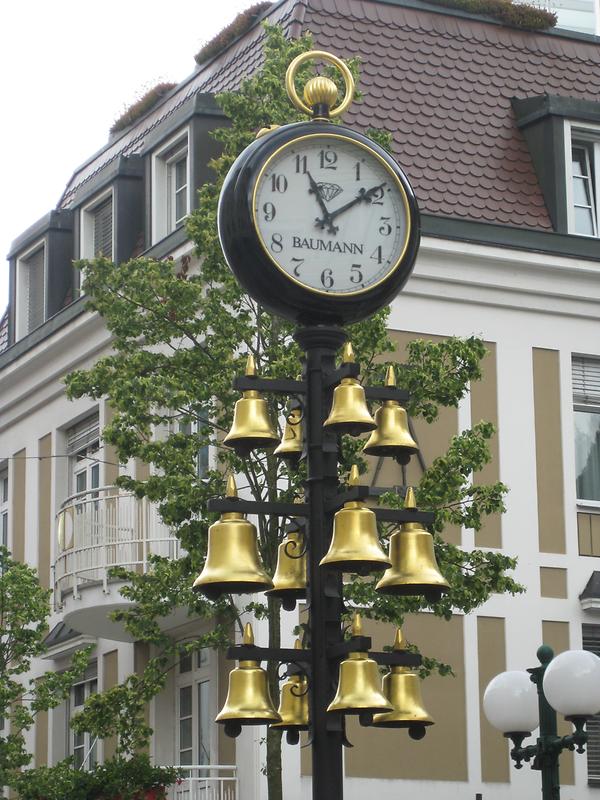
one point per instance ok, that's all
(193, 678)
(589, 135)
(22, 293)
(163, 206)
(4, 502)
(581, 403)
(89, 743)
(87, 218)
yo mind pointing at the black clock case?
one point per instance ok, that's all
(254, 269)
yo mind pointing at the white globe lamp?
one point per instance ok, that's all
(510, 703)
(572, 684)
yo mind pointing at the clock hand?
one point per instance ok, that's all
(363, 194)
(326, 221)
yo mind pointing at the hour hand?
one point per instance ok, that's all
(326, 220)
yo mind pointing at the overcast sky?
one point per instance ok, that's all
(69, 68)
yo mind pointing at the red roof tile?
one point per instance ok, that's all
(440, 83)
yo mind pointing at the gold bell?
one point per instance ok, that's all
(290, 448)
(349, 412)
(392, 437)
(355, 542)
(402, 687)
(233, 564)
(293, 705)
(359, 687)
(414, 567)
(252, 427)
(289, 581)
(248, 698)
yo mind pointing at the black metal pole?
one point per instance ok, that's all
(548, 753)
(321, 343)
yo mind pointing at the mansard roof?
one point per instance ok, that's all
(440, 81)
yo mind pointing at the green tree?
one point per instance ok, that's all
(181, 333)
(24, 610)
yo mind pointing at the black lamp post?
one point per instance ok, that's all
(569, 684)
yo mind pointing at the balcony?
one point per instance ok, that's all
(97, 530)
(214, 782)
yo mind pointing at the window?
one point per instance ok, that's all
(194, 709)
(97, 228)
(171, 186)
(583, 180)
(83, 746)
(591, 642)
(31, 299)
(586, 400)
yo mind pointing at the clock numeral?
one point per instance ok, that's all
(385, 228)
(297, 262)
(279, 183)
(357, 170)
(269, 212)
(327, 278)
(276, 242)
(376, 255)
(356, 275)
(301, 164)
(328, 159)
(377, 196)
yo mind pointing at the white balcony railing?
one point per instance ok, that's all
(102, 528)
(212, 782)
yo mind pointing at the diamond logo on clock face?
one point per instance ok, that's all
(331, 214)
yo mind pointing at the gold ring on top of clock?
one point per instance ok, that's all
(331, 59)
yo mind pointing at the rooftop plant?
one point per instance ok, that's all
(141, 106)
(240, 25)
(521, 15)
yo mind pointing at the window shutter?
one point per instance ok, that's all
(34, 307)
(586, 379)
(103, 231)
(591, 642)
(83, 434)
(4, 332)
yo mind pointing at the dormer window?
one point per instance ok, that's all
(583, 184)
(97, 227)
(170, 186)
(31, 268)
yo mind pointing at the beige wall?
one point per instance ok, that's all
(18, 489)
(41, 739)
(110, 678)
(484, 406)
(491, 657)
(548, 451)
(556, 634)
(553, 582)
(45, 523)
(442, 754)
(141, 656)
(111, 467)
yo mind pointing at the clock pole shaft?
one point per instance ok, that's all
(321, 344)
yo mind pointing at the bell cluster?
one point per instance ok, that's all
(233, 565)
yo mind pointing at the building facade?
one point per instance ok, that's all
(498, 129)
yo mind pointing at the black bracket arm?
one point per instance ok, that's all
(228, 504)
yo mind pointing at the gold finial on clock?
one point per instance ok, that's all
(320, 93)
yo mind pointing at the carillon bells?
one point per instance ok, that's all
(290, 448)
(355, 542)
(293, 705)
(349, 412)
(248, 698)
(289, 581)
(414, 567)
(392, 437)
(252, 427)
(359, 686)
(402, 687)
(233, 564)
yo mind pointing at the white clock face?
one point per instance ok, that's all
(331, 214)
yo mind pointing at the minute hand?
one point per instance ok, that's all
(363, 194)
